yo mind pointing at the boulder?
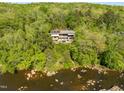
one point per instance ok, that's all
(56, 80)
(50, 73)
(102, 90)
(73, 69)
(79, 76)
(91, 82)
(33, 72)
(41, 75)
(29, 75)
(70, 81)
(51, 85)
(61, 83)
(83, 71)
(115, 88)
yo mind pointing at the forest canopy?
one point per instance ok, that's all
(25, 41)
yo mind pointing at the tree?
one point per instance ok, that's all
(109, 19)
(111, 57)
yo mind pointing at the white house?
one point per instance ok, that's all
(62, 36)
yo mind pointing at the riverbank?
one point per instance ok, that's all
(80, 79)
(34, 74)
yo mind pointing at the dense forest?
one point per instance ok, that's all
(25, 41)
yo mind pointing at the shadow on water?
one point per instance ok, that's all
(81, 79)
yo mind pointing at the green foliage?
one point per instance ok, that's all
(83, 54)
(39, 61)
(108, 20)
(25, 41)
(111, 57)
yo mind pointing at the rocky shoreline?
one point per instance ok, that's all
(95, 78)
(32, 74)
(113, 88)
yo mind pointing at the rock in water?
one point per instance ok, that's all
(29, 75)
(115, 88)
(51, 85)
(70, 81)
(91, 82)
(50, 73)
(61, 83)
(41, 75)
(73, 69)
(56, 80)
(102, 90)
(83, 71)
(83, 88)
(27, 78)
(79, 76)
(33, 72)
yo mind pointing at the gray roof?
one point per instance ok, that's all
(70, 32)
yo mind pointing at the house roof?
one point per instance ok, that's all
(69, 32)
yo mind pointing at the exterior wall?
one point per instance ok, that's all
(62, 40)
(62, 37)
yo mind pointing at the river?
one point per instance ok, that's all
(64, 80)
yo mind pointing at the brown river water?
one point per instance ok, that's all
(64, 80)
